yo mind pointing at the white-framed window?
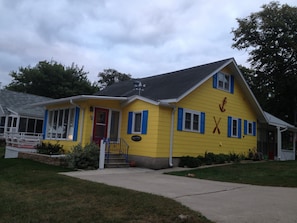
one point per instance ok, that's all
(190, 120)
(137, 122)
(234, 127)
(61, 124)
(223, 82)
(249, 128)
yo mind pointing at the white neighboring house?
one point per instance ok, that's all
(20, 125)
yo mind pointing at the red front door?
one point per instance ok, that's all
(100, 125)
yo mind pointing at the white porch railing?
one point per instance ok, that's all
(23, 140)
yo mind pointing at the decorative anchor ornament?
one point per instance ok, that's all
(217, 125)
(222, 106)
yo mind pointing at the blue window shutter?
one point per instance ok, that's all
(215, 81)
(232, 84)
(239, 128)
(130, 120)
(229, 126)
(245, 127)
(76, 120)
(44, 123)
(144, 122)
(180, 114)
(254, 129)
(202, 123)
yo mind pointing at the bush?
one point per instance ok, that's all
(50, 149)
(84, 157)
(188, 161)
(209, 158)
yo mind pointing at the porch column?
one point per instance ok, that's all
(279, 143)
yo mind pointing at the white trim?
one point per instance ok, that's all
(137, 97)
(192, 112)
(77, 98)
(203, 81)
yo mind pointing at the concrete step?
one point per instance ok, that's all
(115, 161)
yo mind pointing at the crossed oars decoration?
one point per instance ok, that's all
(217, 125)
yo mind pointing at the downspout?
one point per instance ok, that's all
(279, 141)
(81, 120)
(171, 137)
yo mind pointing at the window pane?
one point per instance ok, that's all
(226, 82)
(2, 123)
(137, 122)
(39, 125)
(71, 124)
(234, 127)
(195, 122)
(31, 125)
(188, 120)
(250, 128)
(23, 125)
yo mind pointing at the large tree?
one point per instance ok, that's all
(270, 37)
(109, 76)
(51, 79)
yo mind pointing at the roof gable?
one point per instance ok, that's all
(170, 85)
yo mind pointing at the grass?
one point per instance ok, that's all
(271, 173)
(35, 192)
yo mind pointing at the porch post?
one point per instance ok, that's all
(279, 143)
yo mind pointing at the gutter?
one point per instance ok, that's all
(171, 137)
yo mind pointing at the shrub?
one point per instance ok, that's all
(50, 149)
(221, 158)
(84, 157)
(209, 158)
(188, 161)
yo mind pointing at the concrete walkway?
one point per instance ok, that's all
(218, 201)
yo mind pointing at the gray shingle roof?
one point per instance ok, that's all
(164, 86)
(18, 102)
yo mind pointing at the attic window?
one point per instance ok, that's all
(223, 82)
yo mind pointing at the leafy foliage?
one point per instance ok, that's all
(50, 149)
(111, 76)
(270, 38)
(84, 157)
(51, 79)
(209, 158)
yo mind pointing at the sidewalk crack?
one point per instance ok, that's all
(210, 192)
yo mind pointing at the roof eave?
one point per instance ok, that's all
(77, 98)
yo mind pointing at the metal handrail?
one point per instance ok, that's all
(120, 146)
(124, 148)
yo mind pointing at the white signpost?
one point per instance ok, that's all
(102, 154)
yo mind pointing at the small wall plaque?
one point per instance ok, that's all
(136, 138)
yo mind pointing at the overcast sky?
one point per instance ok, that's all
(141, 38)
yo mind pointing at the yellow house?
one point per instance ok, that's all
(163, 117)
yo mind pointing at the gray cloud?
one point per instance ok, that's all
(136, 37)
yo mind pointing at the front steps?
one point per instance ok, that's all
(115, 161)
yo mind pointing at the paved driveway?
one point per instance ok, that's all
(218, 201)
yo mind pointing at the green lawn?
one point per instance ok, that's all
(271, 173)
(35, 192)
